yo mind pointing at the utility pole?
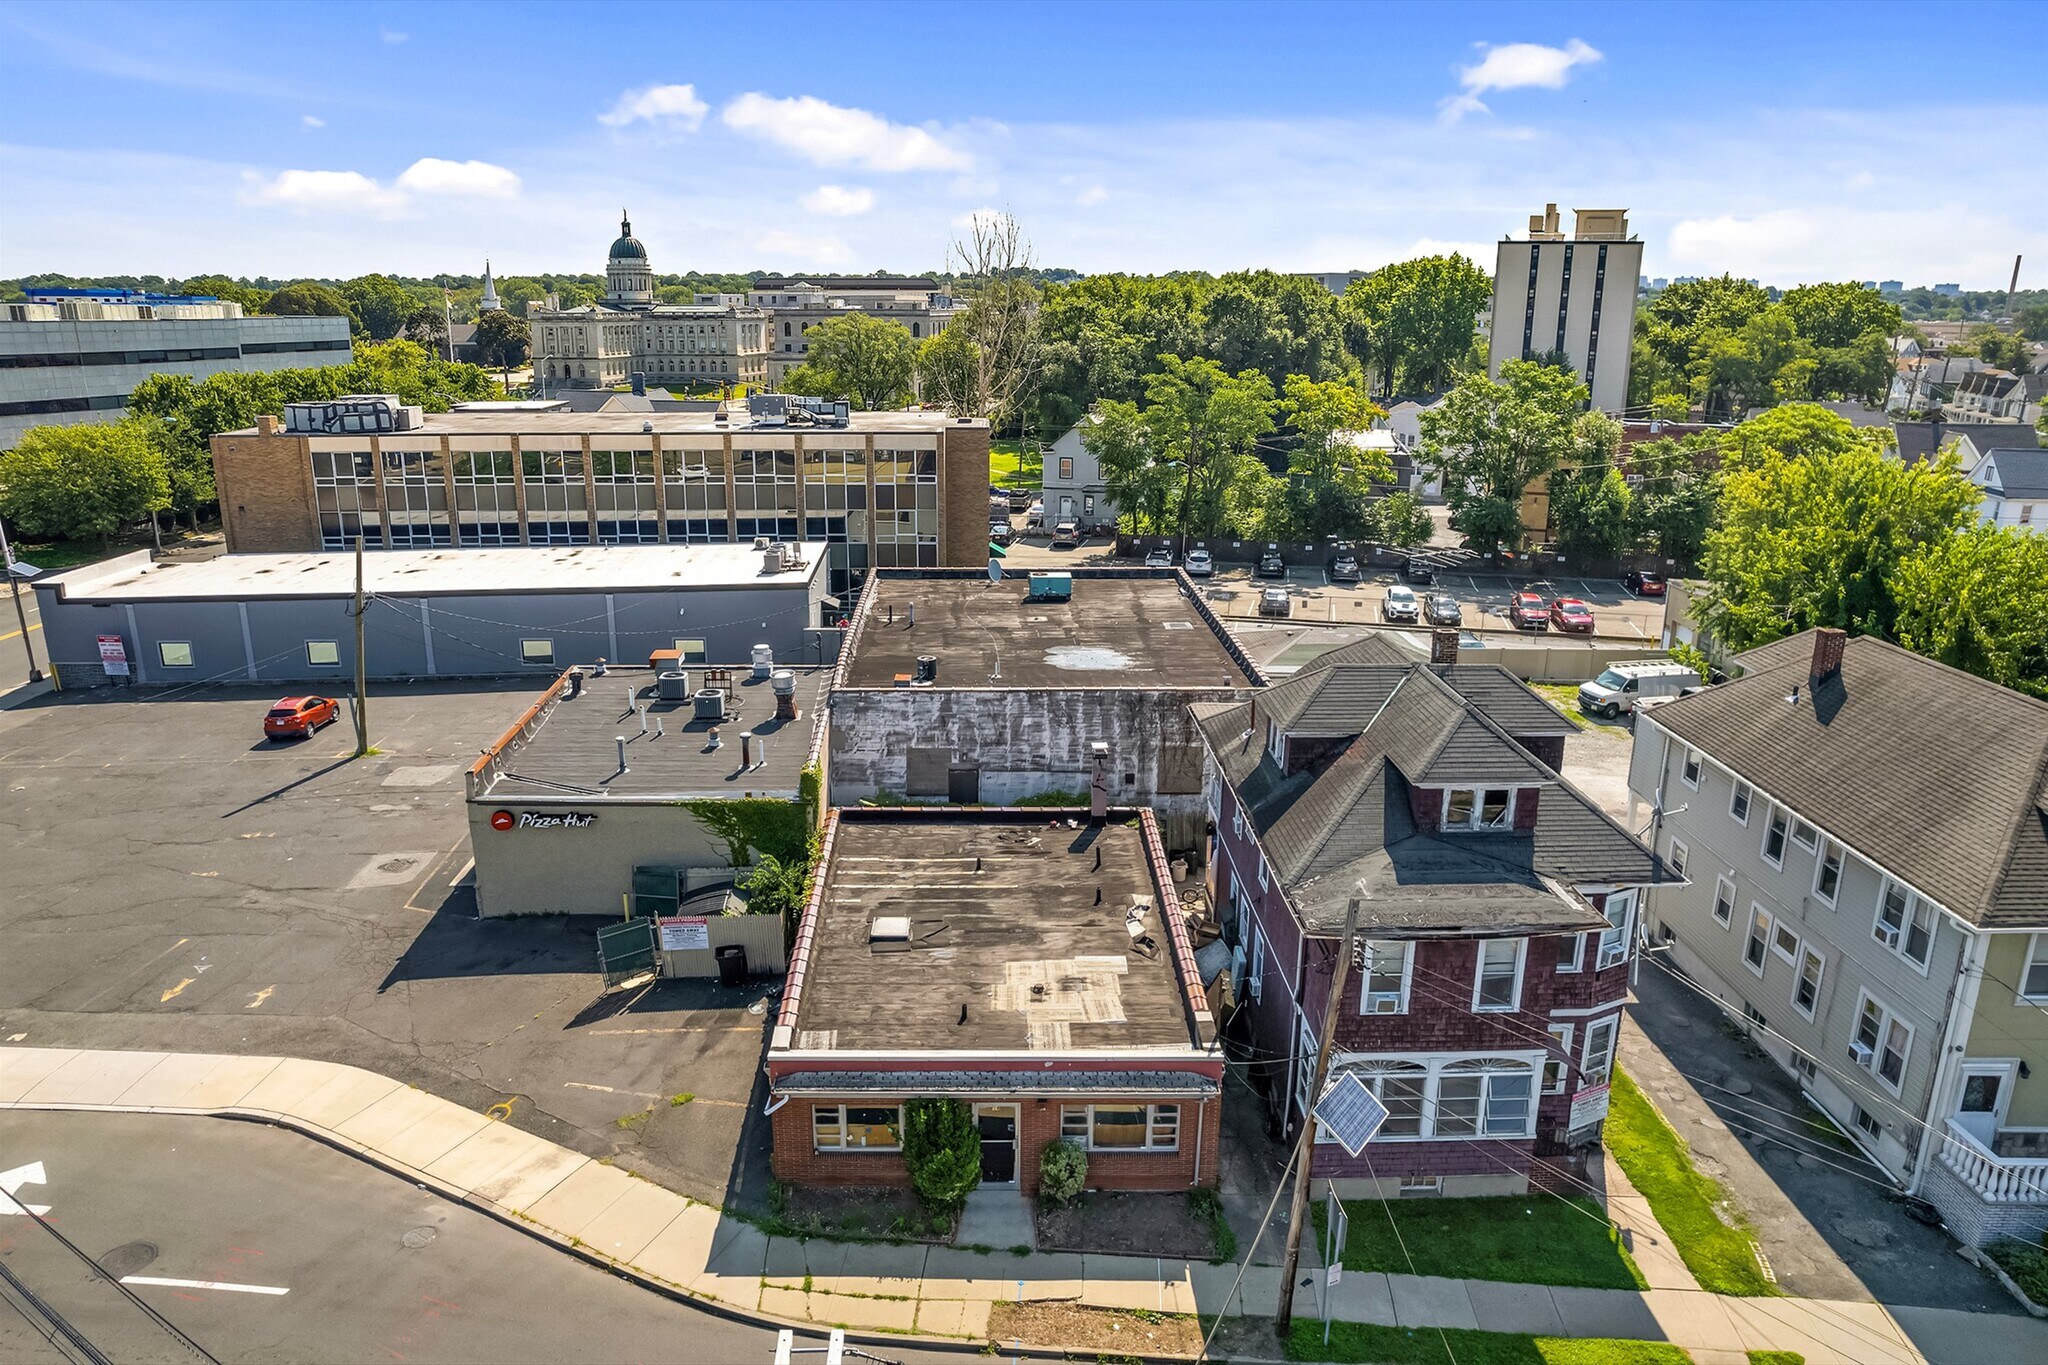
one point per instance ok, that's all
(1297, 1208)
(362, 665)
(35, 675)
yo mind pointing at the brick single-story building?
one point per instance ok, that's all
(1033, 963)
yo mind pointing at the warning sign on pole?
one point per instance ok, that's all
(113, 656)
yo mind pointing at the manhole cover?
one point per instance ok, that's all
(395, 865)
(415, 1238)
(128, 1258)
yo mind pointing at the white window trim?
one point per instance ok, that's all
(1885, 1018)
(843, 1149)
(1153, 1127)
(2020, 996)
(1820, 980)
(1780, 930)
(1476, 825)
(1578, 962)
(1680, 854)
(1697, 761)
(1615, 940)
(1748, 805)
(1407, 976)
(1255, 972)
(1763, 848)
(1812, 841)
(1729, 921)
(1820, 863)
(1756, 909)
(1479, 974)
(1914, 902)
(1562, 1059)
(1436, 1065)
(1613, 1025)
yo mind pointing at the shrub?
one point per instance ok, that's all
(942, 1150)
(1062, 1172)
(2028, 1266)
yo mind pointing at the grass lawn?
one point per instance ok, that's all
(1660, 1165)
(1776, 1358)
(1565, 697)
(1011, 466)
(1533, 1239)
(1367, 1342)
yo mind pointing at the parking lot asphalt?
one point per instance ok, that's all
(175, 881)
(277, 1248)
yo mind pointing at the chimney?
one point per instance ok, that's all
(1443, 646)
(266, 425)
(1827, 654)
(746, 748)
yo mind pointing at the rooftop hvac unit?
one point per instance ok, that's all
(774, 557)
(710, 704)
(674, 686)
(764, 661)
(1052, 587)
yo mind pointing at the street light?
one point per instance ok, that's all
(16, 571)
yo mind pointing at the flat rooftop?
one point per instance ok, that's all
(1125, 629)
(665, 423)
(1008, 948)
(421, 573)
(572, 749)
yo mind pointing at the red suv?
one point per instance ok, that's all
(1643, 583)
(1571, 615)
(299, 717)
(1528, 612)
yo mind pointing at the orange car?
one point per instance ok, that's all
(299, 717)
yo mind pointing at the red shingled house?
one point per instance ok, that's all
(1498, 907)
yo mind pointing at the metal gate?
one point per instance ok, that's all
(626, 950)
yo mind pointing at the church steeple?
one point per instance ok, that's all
(489, 302)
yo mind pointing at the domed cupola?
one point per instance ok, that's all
(628, 279)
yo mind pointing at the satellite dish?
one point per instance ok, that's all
(995, 571)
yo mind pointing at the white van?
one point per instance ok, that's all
(1624, 686)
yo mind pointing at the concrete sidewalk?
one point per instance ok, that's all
(673, 1242)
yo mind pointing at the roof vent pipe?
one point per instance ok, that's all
(746, 749)
(620, 740)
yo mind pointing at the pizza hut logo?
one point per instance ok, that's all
(501, 819)
(526, 819)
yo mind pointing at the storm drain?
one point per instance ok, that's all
(415, 1238)
(128, 1258)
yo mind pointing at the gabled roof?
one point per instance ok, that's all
(1344, 825)
(1937, 775)
(1922, 440)
(2017, 472)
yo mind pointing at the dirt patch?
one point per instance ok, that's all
(859, 1212)
(1129, 1224)
(1107, 1331)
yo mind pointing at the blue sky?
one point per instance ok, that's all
(1787, 142)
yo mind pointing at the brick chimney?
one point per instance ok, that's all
(266, 425)
(1827, 654)
(1443, 646)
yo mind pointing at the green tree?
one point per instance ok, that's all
(941, 1150)
(503, 339)
(221, 287)
(381, 303)
(1098, 338)
(1978, 601)
(1675, 494)
(1488, 440)
(1815, 537)
(948, 372)
(2031, 322)
(83, 481)
(994, 274)
(1139, 486)
(307, 299)
(429, 327)
(1412, 322)
(1591, 506)
(1330, 476)
(2004, 351)
(869, 360)
(1839, 314)
(1207, 421)
(1276, 324)
(1399, 519)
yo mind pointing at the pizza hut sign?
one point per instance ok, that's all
(526, 819)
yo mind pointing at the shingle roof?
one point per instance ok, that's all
(2021, 473)
(1921, 440)
(1937, 775)
(1344, 826)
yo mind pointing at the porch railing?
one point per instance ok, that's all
(1998, 1179)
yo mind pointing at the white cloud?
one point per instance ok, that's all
(837, 201)
(392, 36)
(330, 191)
(1516, 66)
(832, 135)
(675, 106)
(432, 175)
(1091, 196)
(312, 121)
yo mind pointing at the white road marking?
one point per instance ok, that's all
(10, 1181)
(204, 1284)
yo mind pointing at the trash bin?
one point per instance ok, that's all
(732, 964)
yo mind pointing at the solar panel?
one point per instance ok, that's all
(1350, 1111)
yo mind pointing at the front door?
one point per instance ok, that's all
(998, 1125)
(1986, 1094)
(963, 786)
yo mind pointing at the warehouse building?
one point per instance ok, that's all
(884, 489)
(431, 613)
(953, 688)
(1035, 965)
(652, 789)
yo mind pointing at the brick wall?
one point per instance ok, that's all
(1974, 1220)
(266, 494)
(963, 490)
(797, 1162)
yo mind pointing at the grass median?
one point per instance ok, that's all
(1721, 1254)
(1526, 1239)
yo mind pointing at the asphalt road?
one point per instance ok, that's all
(169, 879)
(315, 1257)
(14, 647)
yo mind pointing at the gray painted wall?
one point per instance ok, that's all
(1717, 845)
(582, 871)
(472, 636)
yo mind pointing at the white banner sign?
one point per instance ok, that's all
(680, 933)
(113, 656)
(1589, 1106)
